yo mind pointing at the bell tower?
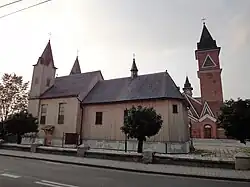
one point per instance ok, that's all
(43, 78)
(209, 70)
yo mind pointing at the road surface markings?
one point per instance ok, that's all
(53, 184)
(10, 175)
(56, 163)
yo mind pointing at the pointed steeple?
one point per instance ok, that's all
(187, 87)
(134, 70)
(206, 40)
(47, 57)
(76, 67)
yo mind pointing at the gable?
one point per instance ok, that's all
(208, 62)
(206, 116)
(206, 110)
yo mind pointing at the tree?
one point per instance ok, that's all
(13, 95)
(235, 119)
(140, 123)
(21, 123)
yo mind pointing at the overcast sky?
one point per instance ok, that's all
(162, 33)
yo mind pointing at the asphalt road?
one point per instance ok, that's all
(33, 173)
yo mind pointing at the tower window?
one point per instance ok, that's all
(48, 82)
(175, 109)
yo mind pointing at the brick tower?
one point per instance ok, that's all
(204, 110)
(209, 71)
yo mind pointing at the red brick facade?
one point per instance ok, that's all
(204, 110)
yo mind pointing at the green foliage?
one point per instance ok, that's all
(235, 119)
(140, 123)
(21, 123)
(13, 95)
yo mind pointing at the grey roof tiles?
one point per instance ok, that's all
(71, 85)
(150, 86)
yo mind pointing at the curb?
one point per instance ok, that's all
(129, 170)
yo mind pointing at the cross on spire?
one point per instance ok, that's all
(203, 21)
(49, 35)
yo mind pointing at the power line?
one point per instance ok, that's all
(20, 10)
(11, 3)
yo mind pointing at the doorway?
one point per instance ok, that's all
(207, 131)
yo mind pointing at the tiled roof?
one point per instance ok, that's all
(72, 85)
(150, 86)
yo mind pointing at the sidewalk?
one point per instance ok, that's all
(209, 173)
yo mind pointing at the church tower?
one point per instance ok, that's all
(43, 78)
(209, 70)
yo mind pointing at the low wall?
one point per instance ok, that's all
(56, 142)
(159, 147)
(126, 156)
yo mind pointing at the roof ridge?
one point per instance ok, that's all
(78, 74)
(135, 78)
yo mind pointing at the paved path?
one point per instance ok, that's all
(220, 147)
(35, 173)
(212, 173)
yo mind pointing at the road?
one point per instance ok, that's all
(33, 173)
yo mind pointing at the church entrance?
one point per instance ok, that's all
(207, 131)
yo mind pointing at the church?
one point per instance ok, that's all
(85, 104)
(204, 110)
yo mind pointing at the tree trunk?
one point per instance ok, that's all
(19, 139)
(140, 146)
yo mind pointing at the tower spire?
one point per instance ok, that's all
(76, 67)
(47, 57)
(206, 39)
(134, 70)
(188, 87)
